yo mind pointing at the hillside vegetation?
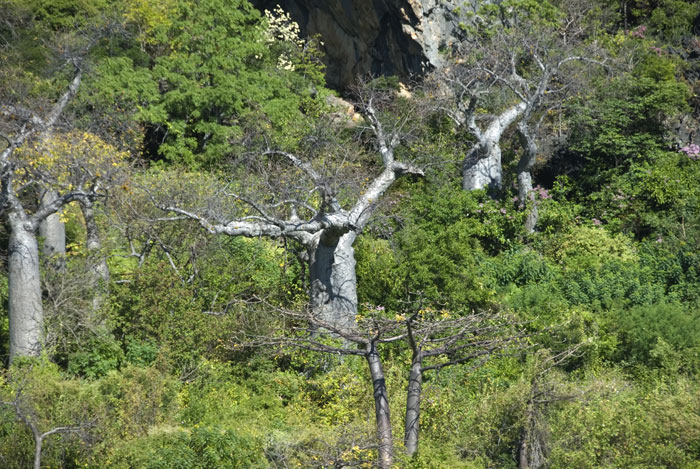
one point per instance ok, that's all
(213, 260)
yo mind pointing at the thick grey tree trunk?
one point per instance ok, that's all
(53, 232)
(525, 165)
(381, 406)
(412, 422)
(482, 167)
(24, 291)
(98, 268)
(333, 279)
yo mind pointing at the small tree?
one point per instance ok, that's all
(532, 450)
(438, 337)
(39, 399)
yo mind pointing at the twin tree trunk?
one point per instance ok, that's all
(25, 308)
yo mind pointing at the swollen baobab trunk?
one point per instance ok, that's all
(482, 167)
(25, 309)
(333, 280)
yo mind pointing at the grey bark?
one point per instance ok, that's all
(531, 453)
(333, 282)
(412, 422)
(24, 290)
(25, 309)
(525, 165)
(381, 405)
(53, 231)
(329, 235)
(482, 167)
(98, 264)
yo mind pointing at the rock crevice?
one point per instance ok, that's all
(379, 37)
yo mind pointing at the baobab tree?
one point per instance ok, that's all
(519, 66)
(321, 197)
(28, 166)
(24, 291)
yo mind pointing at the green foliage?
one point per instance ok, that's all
(48, 400)
(669, 20)
(651, 335)
(675, 264)
(97, 357)
(625, 119)
(451, 231)
(60, 15)
(625, 122)
(586, 247)
(203, 447)
(218, 78)
(619, 425)
(613, 269)
(512, 14)
(378, 279)
(138, 399)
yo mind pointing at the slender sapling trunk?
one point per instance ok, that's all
(381, 406)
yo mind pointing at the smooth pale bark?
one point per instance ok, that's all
(412, 422)
(525, 165)
(24, 299)
(329, 235)
(98, 268)
(53, 231)
(333, 281)
(381, 406)
(482, 167)
(25, 309)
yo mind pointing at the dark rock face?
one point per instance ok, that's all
(379, 37)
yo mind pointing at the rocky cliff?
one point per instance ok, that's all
(388, 37)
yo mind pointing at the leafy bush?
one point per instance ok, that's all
(96, 358)
(204, 447)
(651, 335)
